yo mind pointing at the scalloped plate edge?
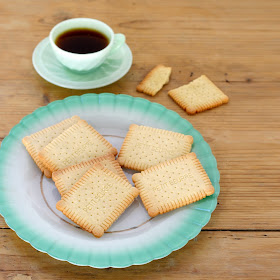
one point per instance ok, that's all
(174, 248)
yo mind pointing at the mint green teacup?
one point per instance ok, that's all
(85, 62)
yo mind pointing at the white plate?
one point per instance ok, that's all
(27, 199)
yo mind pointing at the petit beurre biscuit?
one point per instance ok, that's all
(145, 146)
(34, 143)
(199, 95)
(97, 200)
(80, 142)
(155, 80)
(173, 184)
(66, 178)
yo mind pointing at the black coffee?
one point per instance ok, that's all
(82, 40)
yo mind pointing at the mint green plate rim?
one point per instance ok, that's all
(187, 232)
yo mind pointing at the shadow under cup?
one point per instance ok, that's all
(81, 62)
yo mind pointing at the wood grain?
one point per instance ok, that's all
(237, 45)
(212, 255)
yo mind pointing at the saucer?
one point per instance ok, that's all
(49, 68)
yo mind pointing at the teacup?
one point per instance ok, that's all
(88, 61)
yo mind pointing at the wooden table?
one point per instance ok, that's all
(237, 45)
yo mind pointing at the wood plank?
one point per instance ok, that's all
(252, 106)
(235, 41)
(234, 255)
(3, 224)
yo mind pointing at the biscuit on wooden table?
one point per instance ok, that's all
(66, 178)
(35, 142)
(80, 142)
(155, 80)
(145, 146)
(199, 95)
(173, 184)
(97, 200)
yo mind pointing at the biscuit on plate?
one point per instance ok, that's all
(199, 95)
(97, 200)
(66, 178)
(155, 80)
(35, 142)
(80, 142)
(145, 146)
(173, 184)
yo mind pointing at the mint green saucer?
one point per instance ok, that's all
(28, 199)
(49, 68)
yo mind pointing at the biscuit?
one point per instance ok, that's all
(173, 184)
(155, 80)
(80, 142)
(66, 178)
(199, 95)
(97, 200)
(145, 146)
(34, 143)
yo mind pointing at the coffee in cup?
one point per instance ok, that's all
(82, 44)
(82, 41)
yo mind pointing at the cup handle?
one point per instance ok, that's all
(119, 40)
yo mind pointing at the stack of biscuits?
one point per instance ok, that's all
(94, 189)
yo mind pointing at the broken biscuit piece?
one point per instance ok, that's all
(155, 80)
